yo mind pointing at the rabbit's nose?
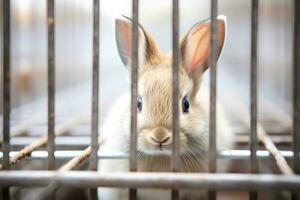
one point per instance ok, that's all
(161, 141)
(160, 136)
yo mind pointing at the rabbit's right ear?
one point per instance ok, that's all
(195, 45)
(148, 50)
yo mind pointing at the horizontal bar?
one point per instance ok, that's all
(226, 154)
(80, 142)
(88, 179)
(17, 130)
(60, 141)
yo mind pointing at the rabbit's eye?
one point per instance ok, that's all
(140, 103)
(185, 105)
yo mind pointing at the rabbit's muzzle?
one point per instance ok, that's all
(159, 137)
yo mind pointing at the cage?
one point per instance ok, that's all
(58, 82)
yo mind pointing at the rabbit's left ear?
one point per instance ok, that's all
(195, 45)
(147, 47)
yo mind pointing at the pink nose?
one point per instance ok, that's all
(161, 141)
(160, 136)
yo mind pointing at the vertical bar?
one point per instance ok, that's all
(95, 93)
(296, 93)
(134, 90)
(6, 90)
(51, 83)
(253, 95)
(213, 93)
(175, 93)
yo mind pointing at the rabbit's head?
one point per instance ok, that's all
(155, 85)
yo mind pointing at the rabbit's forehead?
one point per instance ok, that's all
(156, 83)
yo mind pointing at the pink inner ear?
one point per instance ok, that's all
(125, 28)
(198, 47)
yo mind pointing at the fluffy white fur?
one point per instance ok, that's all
(155, 89)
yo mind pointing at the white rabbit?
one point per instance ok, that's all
(155, 109)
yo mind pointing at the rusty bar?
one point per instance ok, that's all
(296, 117)
(87, 179)
(296, 93)
(213, 93)
(43, 140)
(6, 83)
(175, 93)
(6, 90)
(253, 93)
(51, 83)
(95, 93)
(134, 91)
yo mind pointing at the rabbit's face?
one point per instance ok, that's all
(155, 86)
(155, 111)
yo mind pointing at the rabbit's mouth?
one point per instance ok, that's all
(157, 150)
(159, 141)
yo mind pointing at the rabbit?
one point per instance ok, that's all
(154, 104)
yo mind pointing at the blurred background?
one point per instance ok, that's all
(74, 53)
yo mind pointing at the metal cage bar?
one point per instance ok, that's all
(296, 93)
(226, 154)
(133, 179)
(87, 179)
(213, 93)
(134, 91)
(175, 93)
(6, 90)
(51, 83)
(253, 92)
(95, 94)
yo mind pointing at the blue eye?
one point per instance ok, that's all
(140, 103)
(185, 105)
